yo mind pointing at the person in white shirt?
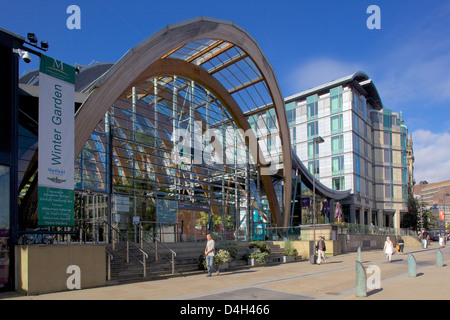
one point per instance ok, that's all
(388, 249)
(209, 255)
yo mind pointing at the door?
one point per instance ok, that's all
(91, 210)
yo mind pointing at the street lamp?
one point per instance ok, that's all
(315, 141)
(421, 210)
(445, 223)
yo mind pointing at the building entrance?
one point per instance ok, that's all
(91, 210)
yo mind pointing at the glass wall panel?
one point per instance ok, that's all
(172, 151)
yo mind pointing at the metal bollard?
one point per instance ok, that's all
(411, 266)
(439, 258)
(361, 280)
(359, 254)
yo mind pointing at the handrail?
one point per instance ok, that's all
(128, 241)
(110, 255)
(141, 240)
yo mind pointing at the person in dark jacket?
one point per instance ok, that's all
(321, 248)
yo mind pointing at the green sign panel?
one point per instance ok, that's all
(57, 69)
(56, 207)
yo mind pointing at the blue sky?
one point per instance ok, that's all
(307, 42)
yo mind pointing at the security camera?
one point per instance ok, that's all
(26, 57)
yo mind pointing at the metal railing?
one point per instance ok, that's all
(82, 235)
(353, 228)
(303, 232)
(144, 235)
(116, 235)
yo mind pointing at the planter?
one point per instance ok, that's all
(285, 259)
(252, 262)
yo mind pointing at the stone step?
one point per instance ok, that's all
(186, 260)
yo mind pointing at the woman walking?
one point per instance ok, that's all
(388, 249)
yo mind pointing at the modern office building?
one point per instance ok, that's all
(364, 147)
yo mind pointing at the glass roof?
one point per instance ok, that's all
(238, 74)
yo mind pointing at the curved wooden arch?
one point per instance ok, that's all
(133, 66)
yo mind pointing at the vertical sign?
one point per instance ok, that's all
(56, 143)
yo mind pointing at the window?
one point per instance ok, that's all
(293, 134)
(337, 165)
(356, 144)
(312, 106)
(290, 113)
(313, 129)
(357, 165)
(404, 176)
(336, 99)
(311, 150)
(271, 119)
(311, 167)
(270, 142)
(338, 183)
(387, 120)
(357, 185)
(387, 156)
(252, 121)
(387, 191)
(336, 124)
(355, 102)
(387, 174)
(337, 144)
(355, 123)
(387, 138)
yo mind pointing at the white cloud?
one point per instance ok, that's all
(317, 72)
(432, 156)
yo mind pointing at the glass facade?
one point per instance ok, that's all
(171, 155)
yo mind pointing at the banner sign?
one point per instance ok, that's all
(56, 143)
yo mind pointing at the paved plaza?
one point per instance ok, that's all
(334, 280)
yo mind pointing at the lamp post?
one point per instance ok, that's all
(421, 210)
(445, 223)
(315, 141)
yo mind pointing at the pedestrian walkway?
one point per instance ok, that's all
(334, 280)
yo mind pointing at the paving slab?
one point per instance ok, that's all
(334, 280)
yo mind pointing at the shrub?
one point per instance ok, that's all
(259, 256)
(261, 245)
(289, 249)
(232, 248)
(221, 257)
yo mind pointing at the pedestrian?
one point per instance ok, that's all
(401, 245)
(388, 249)
(209, 255)
(372, 228)
(321, 248)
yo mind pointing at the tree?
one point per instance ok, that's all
(410, 219)
(414, 219)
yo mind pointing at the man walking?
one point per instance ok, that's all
(321, 248)
(209, 255)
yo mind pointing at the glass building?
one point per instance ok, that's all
(186, 134)
(170, 136)
(161, 137)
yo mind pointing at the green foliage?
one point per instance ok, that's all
(221, 257)
(259, 256)
(289, 249)
(261, 245)
(231, 247)
(259, 251)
